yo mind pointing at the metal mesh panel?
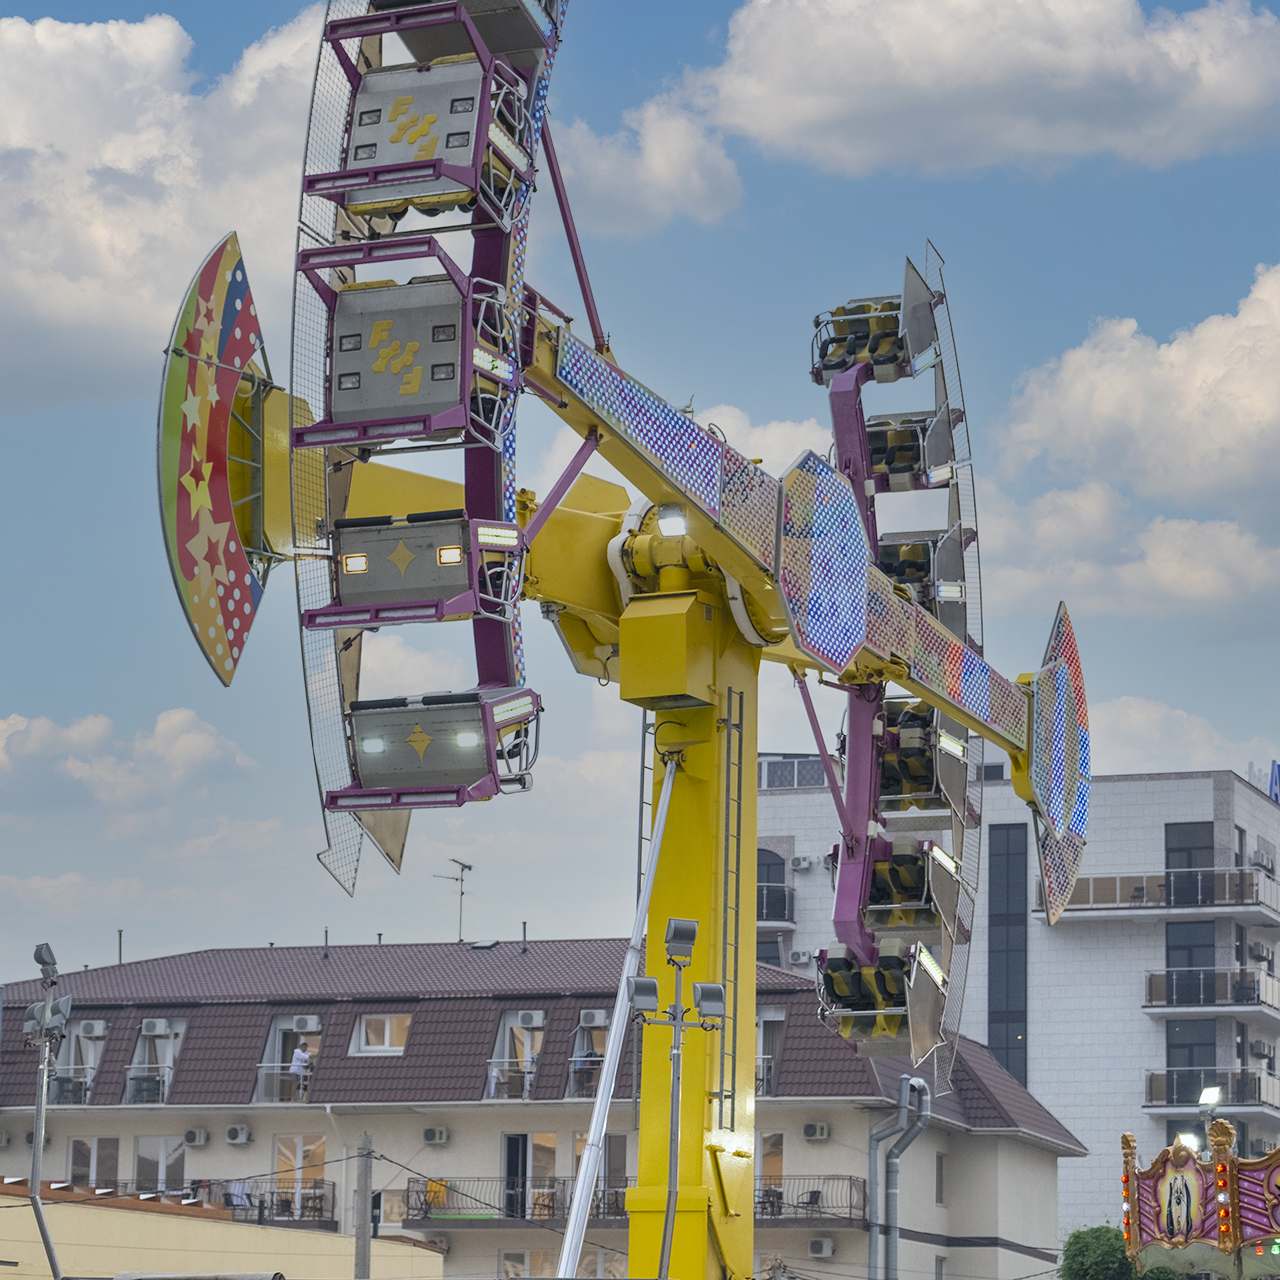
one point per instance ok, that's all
(749, 506)
(824, 563)
(888, 618)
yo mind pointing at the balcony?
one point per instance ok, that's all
(71, 1086)
(775, 902)
(147, 1084)
(463, 1202)
(1179, 1088)
(1252, 896)
(833, 1201)
(511, 1078)
(306, 1203)
(1240, 991)
(276, 1083)
(584, 1076)
(764, 1076)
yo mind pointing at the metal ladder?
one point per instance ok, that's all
(730, 916)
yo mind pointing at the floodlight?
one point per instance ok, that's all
(671, 521)
(681, 935)
(1211, 1096)
(642, 993)
(708, 999)
(1190, 1141)
(44, 955)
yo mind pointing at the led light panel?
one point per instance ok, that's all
(749, 507)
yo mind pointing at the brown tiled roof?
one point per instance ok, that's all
(456, 996)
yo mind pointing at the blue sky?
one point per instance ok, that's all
(1100, 177)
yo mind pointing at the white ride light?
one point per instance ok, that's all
(449, 555)
(512, 710)
(357, 562)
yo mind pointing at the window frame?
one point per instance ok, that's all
(360, 1049)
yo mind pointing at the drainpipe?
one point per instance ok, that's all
(894, 1125)
(919, 1125)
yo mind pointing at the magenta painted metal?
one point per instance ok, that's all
(853, 455)
(571, 231)
(828, 768)
(561, 487)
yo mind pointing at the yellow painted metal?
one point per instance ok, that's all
(714, 1214)
(667, 652)
(379, 490)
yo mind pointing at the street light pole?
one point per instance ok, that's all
(44, 1025)
(676, 1013)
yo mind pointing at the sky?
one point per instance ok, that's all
(1099, 175)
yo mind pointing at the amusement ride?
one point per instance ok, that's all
(415, 331)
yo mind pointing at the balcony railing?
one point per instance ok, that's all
(823, 1199)
(1182, 1086)
(775, 902)
(484, 1199)
(1179, 987)
(584, 1076)
(307, 1202)
(71, 1086)
(148, 1083)
(764, 1076)
(276, 1083)
(1207, 887)
(511, 1077)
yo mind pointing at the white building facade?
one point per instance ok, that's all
(1157, 982)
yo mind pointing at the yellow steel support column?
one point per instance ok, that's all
(686, 644)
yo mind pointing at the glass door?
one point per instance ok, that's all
(299, 1180)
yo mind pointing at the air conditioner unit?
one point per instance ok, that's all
(801, 957)
(93, 1029)
(31, 1138)
(1261, 952)
(531, 1017)
(1259, 858)
(438, 1242)
(4, 1137)
(1262, 1049)
(436, 1137)
(821, 1247)
(801, 862)
(594, 1018)
(308, 1024)
(196, 1137)
(817, 1131)
(155, 1026)
(238, 1134)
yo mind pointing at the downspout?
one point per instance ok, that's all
(920, 1124)
(895, 1124)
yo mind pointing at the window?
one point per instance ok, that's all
(515, 1058)
(529, 1175)
(773, 896)
(1239, 846)
(769, 1160)
(381, 1033)
(769, 1027)
(160, 1164)
(1188, 855)
(1191, 1056)
(612, 1178)
(991, 773)
(78, 1058)
(939, 1266)
(299, 1174)
(284, 1074)
(154, 1058)
(593, 1264)
(584, 1066)
(1007, 948)
(939, 1180)
(95, 1162)
(1188, 960)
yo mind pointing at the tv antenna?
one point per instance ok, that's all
(463, 868)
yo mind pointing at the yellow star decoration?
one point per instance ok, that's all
(418, 740)
(191, 409)
(209, 532)
(196, 483)
(402, 557)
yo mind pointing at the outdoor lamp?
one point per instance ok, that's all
(708, 999)
(1190, 1141)
(681, 935)
(642, 993)
(671, 521)
(1211, 1096)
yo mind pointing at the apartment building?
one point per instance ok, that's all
(474, 1068)
(1157, 982)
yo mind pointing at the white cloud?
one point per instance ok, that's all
(664, 162)
(777, 443)
(20, 736)
(1140, 735)
(855, 86)
(390, 668)
(120, 179)
(1196, 417)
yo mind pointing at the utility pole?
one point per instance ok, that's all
(463, 868)
(364, 1205)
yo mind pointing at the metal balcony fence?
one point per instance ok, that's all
(278, 1201)
(510, 1077)
(1182, 1086)
(775, 902)
(484, 1199)
(831, 1199)
(147, 1083)
(764, 1076)
(1213, 986)
(584, 1076)
(71, 1086)
(276, 1083)
(1205, 887)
